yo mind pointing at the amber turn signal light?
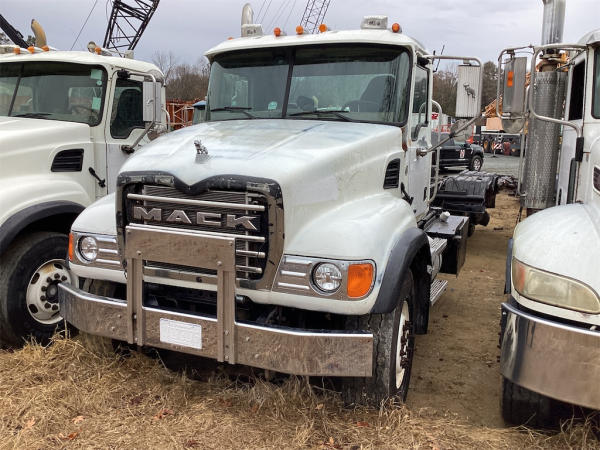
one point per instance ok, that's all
(360, 279)
(71, 249)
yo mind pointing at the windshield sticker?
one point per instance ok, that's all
(272, 106)
(96, 103)
(96, 74)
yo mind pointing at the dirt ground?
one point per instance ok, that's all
(65, 396)
(456, 364)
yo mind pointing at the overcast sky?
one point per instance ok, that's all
(189, 27)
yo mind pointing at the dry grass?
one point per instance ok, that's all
(65, 396)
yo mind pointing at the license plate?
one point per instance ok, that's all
(181, 333)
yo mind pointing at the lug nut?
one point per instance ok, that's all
(44, 288)
(42, 297)
(56, 276)
(63, 278)
(47, 305)
(49, 280)
(54, 307)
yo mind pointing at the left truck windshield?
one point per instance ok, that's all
(53, 91)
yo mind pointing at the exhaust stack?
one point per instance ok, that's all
(553, 22)
(38, 32)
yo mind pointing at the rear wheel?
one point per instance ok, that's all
(30, 272)
(393, 348)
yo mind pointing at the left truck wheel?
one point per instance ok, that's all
(30, 271)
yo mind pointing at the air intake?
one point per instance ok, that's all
(68, 161)
(392, 175)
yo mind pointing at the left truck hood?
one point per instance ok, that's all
(27, 145)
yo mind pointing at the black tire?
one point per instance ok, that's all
(471, 229)
(520, 406)
(476, 163)
(17, 267)
(375, 390)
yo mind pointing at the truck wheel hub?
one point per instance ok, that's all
(402, 356)
(42, 291)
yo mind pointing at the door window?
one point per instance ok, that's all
(127, 109)
(577, 91)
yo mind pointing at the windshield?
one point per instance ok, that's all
(343, 82)
(53, 91)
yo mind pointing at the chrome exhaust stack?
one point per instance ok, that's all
(553, 23)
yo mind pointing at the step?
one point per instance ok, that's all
(437, 245)
(438, 287)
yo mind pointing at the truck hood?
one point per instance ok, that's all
(564, 240)
(28, 144)
(259, 148)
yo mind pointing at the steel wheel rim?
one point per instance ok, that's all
(402, 357)
(476, 164)
(42, 291)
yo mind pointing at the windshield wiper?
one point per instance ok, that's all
(242, 109)
(38, 115)
(335, 112)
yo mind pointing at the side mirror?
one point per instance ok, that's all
(152, 105)
(513, 93)
(468, 95)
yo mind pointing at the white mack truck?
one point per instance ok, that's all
(68, 121)
(550, 327)
(292, 231)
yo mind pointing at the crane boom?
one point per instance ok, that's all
(128, 20)
(12, 33)
(314, 13)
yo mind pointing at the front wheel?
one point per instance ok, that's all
(476, 163)
(393, 347)
(30, 271)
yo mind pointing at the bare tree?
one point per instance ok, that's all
(166, 62)
(444, 90)
(4, 39)
(189, 81)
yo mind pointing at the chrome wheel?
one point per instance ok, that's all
(402, 356)
(42, 291)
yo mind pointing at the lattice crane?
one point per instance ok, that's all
(128, 20)
(314, 13)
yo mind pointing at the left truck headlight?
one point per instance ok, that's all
(88, 248)
(552, 289)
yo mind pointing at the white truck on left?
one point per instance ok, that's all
(68, 121)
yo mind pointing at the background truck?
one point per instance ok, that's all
(550, 324)
(292, 230)
(68, 121)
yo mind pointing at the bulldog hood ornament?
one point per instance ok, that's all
(200, 148)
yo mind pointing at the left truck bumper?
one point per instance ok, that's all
(286, 350)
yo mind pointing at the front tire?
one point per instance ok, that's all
(476, 163)
(30, 271)
(520, 406)
(393, 343)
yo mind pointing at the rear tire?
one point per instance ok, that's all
(393, 345)
(30, 270)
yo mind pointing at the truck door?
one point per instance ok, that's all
(125, 126)
(419, 167)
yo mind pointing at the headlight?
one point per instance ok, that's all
(88, 248)
(553, 289)
(327, 277)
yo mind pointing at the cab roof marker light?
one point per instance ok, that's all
(323, 28)
(396, 28)
(299, 30)
(277, 32)
(374, 23)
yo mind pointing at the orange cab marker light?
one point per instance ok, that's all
(71, 250)
(396, 27)
(299, 29)
(98, 50)
(46, 48)
(277, 32)
(360, 279)
(31, 49)
(17, 50)
(322, 28)
(510, 78)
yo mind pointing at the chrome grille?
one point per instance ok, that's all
(251, 245)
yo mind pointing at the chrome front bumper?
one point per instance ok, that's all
(557, 360)
(222, 338)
